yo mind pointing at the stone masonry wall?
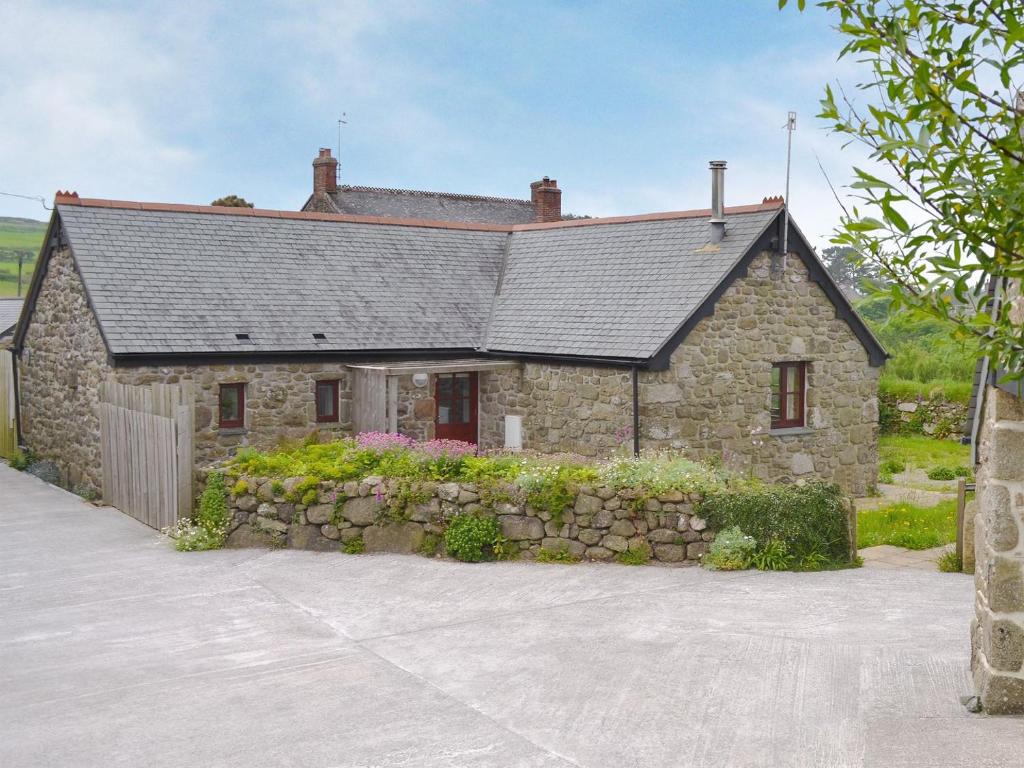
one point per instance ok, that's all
(997, 632)
(280, 402)
(59, 372)
(600, 524)
(715, 398)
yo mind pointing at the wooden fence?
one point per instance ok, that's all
(8, 410)
(369, 400)
(146, 436)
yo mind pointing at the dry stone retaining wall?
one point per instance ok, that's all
(600, 524)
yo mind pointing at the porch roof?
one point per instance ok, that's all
(406, 367)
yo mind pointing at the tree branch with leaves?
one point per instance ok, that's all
(942, 112)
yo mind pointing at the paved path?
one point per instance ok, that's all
(117, 651)
(888, 556)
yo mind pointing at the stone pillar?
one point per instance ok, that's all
(997, 632)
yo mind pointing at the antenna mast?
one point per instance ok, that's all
(790, 126)
(341, 121)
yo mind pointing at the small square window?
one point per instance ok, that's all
(327, 401)
(788, 386)
(232, 406)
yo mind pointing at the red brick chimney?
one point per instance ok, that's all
(325, 173)
(547, 200)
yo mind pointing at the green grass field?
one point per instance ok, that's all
(923, 452)
(26, 236)
(908, 525)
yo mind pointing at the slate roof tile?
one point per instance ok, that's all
(186, 282)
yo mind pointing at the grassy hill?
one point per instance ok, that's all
(925, 360)
(18, 236)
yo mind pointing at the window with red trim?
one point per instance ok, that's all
(327, 401)
(231, 413)
(788, 385)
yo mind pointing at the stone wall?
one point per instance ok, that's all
(59, 372)
(934, 416)
(416, 408)
(997, 632)
(498, 394)
(280, 402)
(600, 524)
(714, 399)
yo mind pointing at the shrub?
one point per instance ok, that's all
(431, 543)
(637, 554)
(942, 473)
(354, 547)
(209, 528)
(894, 466)
(22, 459)
(950, 562)
(657, 473)
(810, 518)
(731, 550)
(504, 549)
(470, 538)
(774, 556)
(86, 492)
(558, 555)
(306, 491)
(240, 488)
(553, 488)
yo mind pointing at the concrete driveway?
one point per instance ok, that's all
(117, 651)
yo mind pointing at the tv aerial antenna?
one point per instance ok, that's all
(790, 126)
(341, 121)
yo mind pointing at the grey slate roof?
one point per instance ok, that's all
(435, 206)
(164, 282)
(187, 281)
(617, 290)
(10, 309)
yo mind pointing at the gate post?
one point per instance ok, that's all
(997, 632)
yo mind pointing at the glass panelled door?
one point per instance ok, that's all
(455, 394)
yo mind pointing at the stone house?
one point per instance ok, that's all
(686, 331)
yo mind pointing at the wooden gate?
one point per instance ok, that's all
(369, 400)
(146, 438)
(8, 412)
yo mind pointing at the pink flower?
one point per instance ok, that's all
(383, 441)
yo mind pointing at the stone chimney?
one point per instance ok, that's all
(325, 173)
(547, 200)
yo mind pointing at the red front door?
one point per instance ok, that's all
(455, 394)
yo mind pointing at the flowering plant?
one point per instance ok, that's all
(383, 441)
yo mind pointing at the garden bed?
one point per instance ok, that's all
(388, 493)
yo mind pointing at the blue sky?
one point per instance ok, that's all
(623, 103)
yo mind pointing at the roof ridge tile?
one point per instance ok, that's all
(428, 193)
(91, 202)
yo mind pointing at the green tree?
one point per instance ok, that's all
(943, 117)
(232, 201)
(850, 271)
